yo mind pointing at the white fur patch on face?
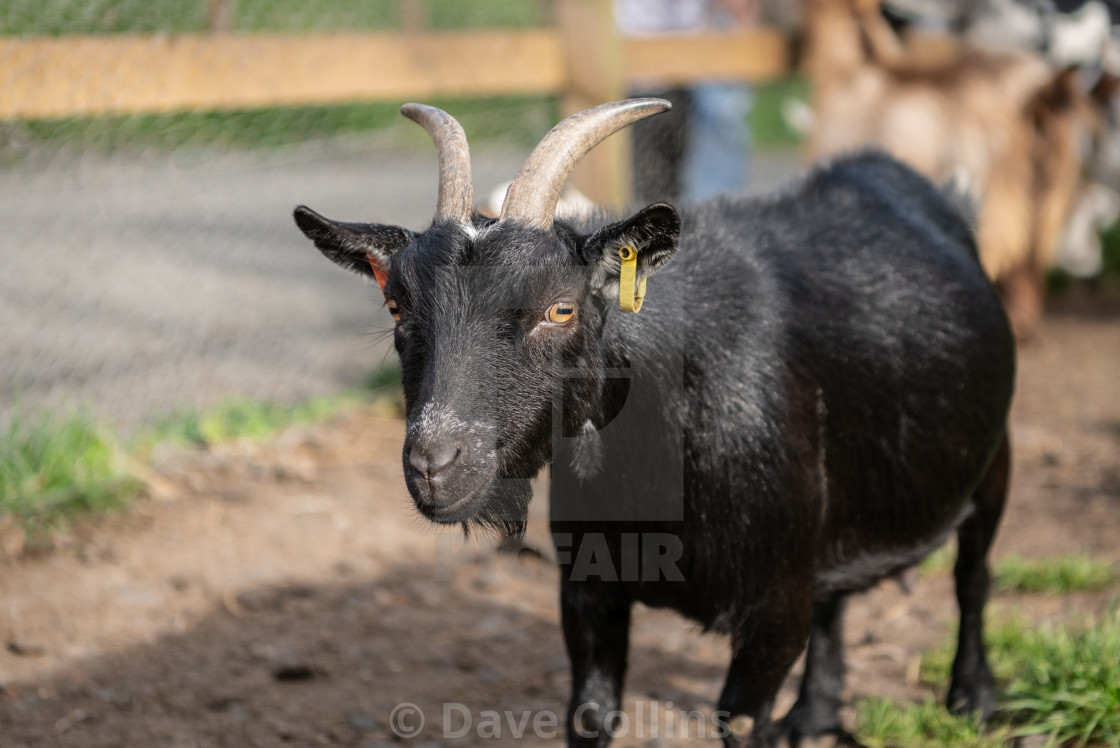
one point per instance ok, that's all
(482, 436)
(437, 420)
(469, 230)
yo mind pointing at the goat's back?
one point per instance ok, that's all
(847, 371)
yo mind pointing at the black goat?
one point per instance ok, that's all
(813, 398)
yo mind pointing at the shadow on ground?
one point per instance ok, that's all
(324, 663)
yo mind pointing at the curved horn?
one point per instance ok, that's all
(456, 193)
(533, 195)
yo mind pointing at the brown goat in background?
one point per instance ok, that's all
(1006, 122)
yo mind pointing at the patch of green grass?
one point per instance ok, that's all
(883, 723)
(489, 14)
(53, 467)
(253, 420)
(768, 125)
(322, 15)
(240, 418)
(56, 17)
(1054, 575)
(1050, 575)
(937, 663)
(1058, 681)
(520, 120)
(1065, 682)
(940, 560)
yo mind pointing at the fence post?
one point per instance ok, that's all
(413, 15)
(219, 16)
(596, 75)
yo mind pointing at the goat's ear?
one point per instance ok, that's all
(358, 247)
(652, 232)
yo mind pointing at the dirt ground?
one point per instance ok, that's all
(288, 594)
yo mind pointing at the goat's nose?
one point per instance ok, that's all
(430, 460)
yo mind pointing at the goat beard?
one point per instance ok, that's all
(506, 511)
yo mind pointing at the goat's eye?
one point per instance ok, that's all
(561, 312)
(393, 310)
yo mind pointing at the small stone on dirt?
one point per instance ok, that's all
(73, 718)
(223, 702)
(26, 649)
(360, 721)
(293, 671)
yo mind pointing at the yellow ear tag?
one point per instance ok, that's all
(630, 294)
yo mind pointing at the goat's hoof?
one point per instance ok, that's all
(977, 695)
(833, 737)
(815, 722)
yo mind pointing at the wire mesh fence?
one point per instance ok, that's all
(149, 260)
(135, 284)
(520, 117)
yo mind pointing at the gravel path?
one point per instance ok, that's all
(134, 285)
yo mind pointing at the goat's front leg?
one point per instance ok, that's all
(762, 655)
(818, 704)
(596, 620)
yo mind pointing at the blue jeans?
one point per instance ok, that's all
(717, 154)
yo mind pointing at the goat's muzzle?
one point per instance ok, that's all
(446, 477)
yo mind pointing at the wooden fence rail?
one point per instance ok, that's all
(581, 59)
(73, 76)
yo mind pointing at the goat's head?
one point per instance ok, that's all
(499, 320)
